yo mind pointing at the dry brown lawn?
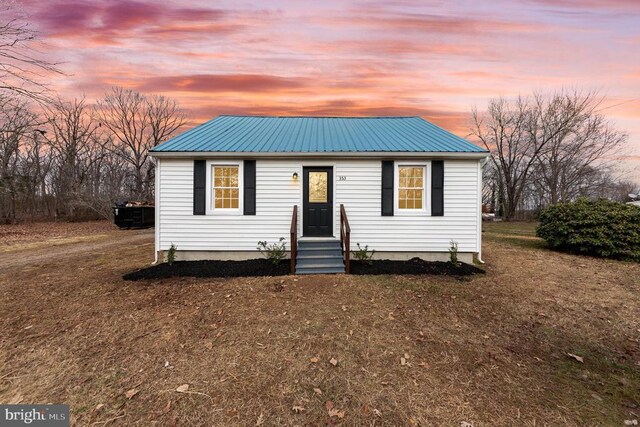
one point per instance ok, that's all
(17, 236)
(492, 350)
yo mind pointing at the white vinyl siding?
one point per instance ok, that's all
(275, 197)
(360, 192)
(417, 232)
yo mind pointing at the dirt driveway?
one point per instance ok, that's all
(47, 250)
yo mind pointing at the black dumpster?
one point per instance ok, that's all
(134, 216)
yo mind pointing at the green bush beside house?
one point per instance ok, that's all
(600, 227)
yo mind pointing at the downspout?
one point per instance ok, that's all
(156, 211)
(481, 164)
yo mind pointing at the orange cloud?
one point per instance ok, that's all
(215, 83)
(383, 18)
(454, 121)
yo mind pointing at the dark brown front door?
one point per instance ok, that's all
(317, 203)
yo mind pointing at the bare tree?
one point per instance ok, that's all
(22, 65)
(107, 183)
(17, 126)
(138, 123)
(76, 145)
(570, 158)
(518, 131)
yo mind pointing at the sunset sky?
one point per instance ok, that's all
(436, 59)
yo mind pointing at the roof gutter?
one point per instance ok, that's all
(338, 154)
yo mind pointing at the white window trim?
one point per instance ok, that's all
(426, 199)
(211, 210)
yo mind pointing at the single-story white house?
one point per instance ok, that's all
(400, 185)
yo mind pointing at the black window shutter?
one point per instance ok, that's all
(199, 187)
(437, 188)
(387, 188)
(249, 187)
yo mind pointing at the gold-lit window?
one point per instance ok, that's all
(226, 188)
(318, 187)
(411, 187)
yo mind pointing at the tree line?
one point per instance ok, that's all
(548, 149)
(68, 159)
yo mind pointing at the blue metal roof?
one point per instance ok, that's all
(268, 134)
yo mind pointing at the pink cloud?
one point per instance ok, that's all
(591, 4)
(215, 83)
(383, 18)
(117, 20)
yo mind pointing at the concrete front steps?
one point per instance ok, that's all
(319, 256)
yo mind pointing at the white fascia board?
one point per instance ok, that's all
(341, 155)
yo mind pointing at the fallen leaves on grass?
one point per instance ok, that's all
(336, 413)
(298, 409)
(333, 361)
(332, 410)
(317, 391)
(404, 360)
(576, 357)
(260, 420)
(184, 388)
(129, 394)
(314, 360)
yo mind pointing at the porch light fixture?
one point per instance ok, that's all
(295, 175)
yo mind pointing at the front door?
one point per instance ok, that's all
(317, 203)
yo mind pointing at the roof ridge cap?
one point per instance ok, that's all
(317, 117)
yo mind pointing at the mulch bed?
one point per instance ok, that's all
(245, 268)
(263, 267)
(414, 266)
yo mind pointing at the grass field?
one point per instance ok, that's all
(314, 350)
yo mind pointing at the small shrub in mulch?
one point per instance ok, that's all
(414, 266)
(245, 268)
